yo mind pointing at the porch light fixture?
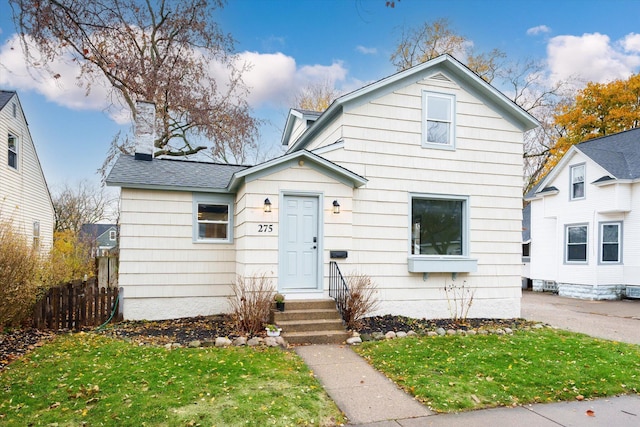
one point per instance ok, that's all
(336, 207)
(267, 205)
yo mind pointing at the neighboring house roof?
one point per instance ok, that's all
(618, 154)
(5, 96)
(95, 230)
(171, 174)
(446, 63)
(301, 114)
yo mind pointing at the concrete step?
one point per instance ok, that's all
(316, 337)
(280, 316)
(311, 325)
(308, 304)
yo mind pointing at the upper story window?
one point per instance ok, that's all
(610, 242)
(576, 243)
(213, 218)
(577, 182)
(439, 225)
(112, 235)
(14, 109)
(12, 155)
(439, 123)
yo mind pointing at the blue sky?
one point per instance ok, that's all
(294, 43)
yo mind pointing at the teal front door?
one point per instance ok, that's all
(299, 244)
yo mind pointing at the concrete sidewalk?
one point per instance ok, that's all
(369, 399)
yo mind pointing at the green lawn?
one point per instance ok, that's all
(454, 373)
(92, 379)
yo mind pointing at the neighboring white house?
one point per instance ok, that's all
(24, 196)
(585, 220)
(414, 180)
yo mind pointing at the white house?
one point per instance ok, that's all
(25, 200)
(585, 220)
(414, 180)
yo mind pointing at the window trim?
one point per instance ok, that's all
(213, 199)
(566, 244)
(601, 243)
(451, 145)
(14, 151)
(584, 180)
(112, 235)
(442, 263)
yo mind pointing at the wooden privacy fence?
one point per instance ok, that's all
(76, 305)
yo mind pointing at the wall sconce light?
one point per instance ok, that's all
(336, 207)
(267, 205)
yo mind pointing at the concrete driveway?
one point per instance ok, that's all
(612, 320)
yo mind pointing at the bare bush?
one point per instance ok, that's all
(459, 300)
(20, 269)
(251, 303)
(360, 301)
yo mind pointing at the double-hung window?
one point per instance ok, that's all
(577, 182)
(36, 234)
(610, 242)
(439, 126)
(12, 155)
(213, 218)
(576, 243)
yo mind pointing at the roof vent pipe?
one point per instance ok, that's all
(145, 130)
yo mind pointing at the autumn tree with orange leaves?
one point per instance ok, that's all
(599, 109)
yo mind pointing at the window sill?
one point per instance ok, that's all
(435, 264)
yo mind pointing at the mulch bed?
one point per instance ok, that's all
(14, 344)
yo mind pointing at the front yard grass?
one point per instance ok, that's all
(455, 373)
(88, 379)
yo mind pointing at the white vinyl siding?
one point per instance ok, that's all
(610, 242)
(439, 120)
(24, 196)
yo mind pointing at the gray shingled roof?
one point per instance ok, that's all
(166, 173)
(619, 153)
(5, 96)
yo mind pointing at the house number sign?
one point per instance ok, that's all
(265, 228)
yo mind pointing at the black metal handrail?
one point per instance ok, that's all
(338, 289)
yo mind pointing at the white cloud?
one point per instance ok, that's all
(540, 29)
(59, 86)
(631, 43)
(275, 78)
(590, 57)
(366, 50)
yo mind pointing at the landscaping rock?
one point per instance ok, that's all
(401, 334)
(281, 342)
(390, 335)
(377, 336)
(471, 332)
(194, 344)
(451, 331)
(223, 342)
(254, 342)
(208, 343)
(441, 331)
(432, 334)
(366, 337)
(271, 342)
(167, 346)
(354, 340)
(508, 331)
(538, 326)
(483, 332)
(240, 341)
(411, 334)
(461, 332)
(499, 332)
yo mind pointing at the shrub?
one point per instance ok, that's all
(459, 300)
(20, 270)
(69, 259)
(360, 301)
(251, 303)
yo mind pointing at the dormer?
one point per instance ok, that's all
(298, 122)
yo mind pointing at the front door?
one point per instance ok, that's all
(299, 244)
